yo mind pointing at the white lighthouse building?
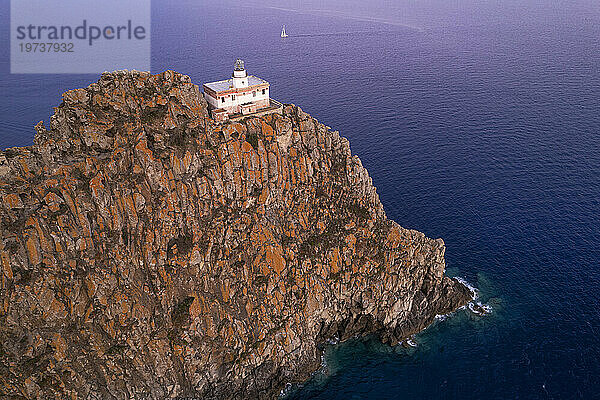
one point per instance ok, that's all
(240, 96)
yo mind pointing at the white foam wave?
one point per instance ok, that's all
(473, 289)
(323, 367)
(334, 340)
(286, 390)
(475, 306)
(479, 308)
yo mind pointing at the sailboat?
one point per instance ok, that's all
(283, 34)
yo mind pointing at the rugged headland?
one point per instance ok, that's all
(148, 253)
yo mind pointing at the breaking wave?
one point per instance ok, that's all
(411, 341)
(475, 306)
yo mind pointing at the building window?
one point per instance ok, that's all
(232, 97)
(253, 94)
(222, 99)
(264, 91)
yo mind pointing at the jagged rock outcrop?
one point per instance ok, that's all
(147, 253)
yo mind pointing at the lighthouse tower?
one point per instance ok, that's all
(240, 76)
(239, 96)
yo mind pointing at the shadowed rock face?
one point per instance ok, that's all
(147, 253)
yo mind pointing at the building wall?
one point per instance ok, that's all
(232, 104)
(220, 116)
(275, 108)
(211, 100)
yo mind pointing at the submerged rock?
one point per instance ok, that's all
(479, 309)
(148, 253)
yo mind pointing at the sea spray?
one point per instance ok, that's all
(475, 306)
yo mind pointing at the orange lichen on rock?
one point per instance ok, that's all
(147, 252)
(12, 200)
(275, 259)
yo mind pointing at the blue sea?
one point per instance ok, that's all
(479, 122)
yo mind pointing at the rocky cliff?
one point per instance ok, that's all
(148, 253)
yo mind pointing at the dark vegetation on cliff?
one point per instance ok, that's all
(148, 253)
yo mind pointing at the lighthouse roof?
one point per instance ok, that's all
(221, 86)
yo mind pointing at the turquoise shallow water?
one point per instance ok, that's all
(481, 127)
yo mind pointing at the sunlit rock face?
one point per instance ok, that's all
(147, 252)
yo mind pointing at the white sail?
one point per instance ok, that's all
(283, 34)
